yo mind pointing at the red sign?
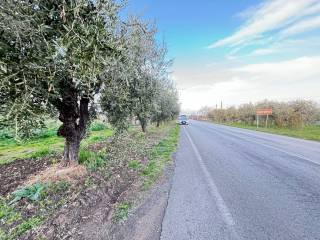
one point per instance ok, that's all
(265, 111)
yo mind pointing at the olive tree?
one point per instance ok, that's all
(52, 56)
(166, 106)
(143, 79)
(140, 73)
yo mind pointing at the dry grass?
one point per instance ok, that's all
(56, 172)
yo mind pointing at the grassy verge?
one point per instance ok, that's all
(46, 144)
(159, 156)
(132, 156)
(308, 132)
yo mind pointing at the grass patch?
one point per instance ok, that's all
(134, 164)
(160, 155)
(8, 215)
(26, 225)
(97, 136)
(45, 199)
(45, 145)
(122, 211)
(11, 150)
(308, 132)
(98, 126)
(92, 160)
(57, 187)
(42, 153)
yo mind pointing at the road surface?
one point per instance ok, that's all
(232, 183)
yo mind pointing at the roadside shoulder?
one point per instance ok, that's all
(145, 221)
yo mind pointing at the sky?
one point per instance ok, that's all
(239, 51)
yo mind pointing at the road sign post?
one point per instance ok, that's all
(263, 112)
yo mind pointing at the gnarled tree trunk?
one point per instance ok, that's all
(74, 116)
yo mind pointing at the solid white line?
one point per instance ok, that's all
(223, 208)
(268, 146)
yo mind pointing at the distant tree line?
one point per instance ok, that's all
(63, 57)
(293, 114)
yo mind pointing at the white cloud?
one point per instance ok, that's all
(304, 66)
(313, 9)
(302, 26)
(208, 95)
(272, 28)
(297, 46)
(273, 15)
(285, 72)
(264, 51)
(283, 80)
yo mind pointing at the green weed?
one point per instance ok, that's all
(7, 213)
(98, 126)
(134, 164)
(57, 187)
(122, 211)
(88, 182)
(92, 160)
(3, 235)
(25, 226)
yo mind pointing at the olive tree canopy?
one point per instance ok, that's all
(144, 80)
(52, 54)
(59, 56)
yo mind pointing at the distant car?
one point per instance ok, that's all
(183, 120)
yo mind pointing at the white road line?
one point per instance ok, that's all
(269, 146)
(223, 208)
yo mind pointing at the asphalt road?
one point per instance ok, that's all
(232, 183)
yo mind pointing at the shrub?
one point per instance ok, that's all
(5, 134)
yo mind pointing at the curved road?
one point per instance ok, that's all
(232, 183)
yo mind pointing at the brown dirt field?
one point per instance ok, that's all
(16, 173)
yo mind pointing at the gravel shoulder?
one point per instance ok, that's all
(145, 221)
